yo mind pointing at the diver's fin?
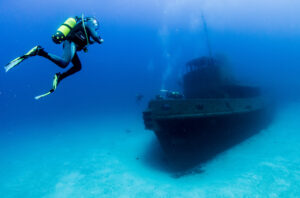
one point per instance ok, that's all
(13, 63)
(33, 51)
(55, 81)
(54, 86)
(20, 59)
(44, 95)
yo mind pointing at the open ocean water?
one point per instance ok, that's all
(88, 139)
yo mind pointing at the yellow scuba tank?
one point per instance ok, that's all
(64, 30)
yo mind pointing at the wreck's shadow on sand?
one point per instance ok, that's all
(189, 161)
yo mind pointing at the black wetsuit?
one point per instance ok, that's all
(75, 42)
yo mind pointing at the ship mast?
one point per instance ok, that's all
(207, 37)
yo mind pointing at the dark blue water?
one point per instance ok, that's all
(84, 140)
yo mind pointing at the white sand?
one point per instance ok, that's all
(112, 157)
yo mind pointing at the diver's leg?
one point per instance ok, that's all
(76, 68)
(68, 54)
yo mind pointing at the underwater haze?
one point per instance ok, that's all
(88, 139)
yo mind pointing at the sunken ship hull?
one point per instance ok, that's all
(194, 131)
(210, 118)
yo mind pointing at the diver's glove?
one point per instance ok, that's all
(99, 40)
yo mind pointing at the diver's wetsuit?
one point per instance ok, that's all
(75, 42)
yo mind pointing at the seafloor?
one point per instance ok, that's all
(115, 157)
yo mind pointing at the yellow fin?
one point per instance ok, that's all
(43, 95)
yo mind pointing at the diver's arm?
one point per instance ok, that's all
(94, 34)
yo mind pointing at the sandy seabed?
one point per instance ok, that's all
(116, 157)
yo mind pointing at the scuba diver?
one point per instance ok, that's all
(75, 34)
